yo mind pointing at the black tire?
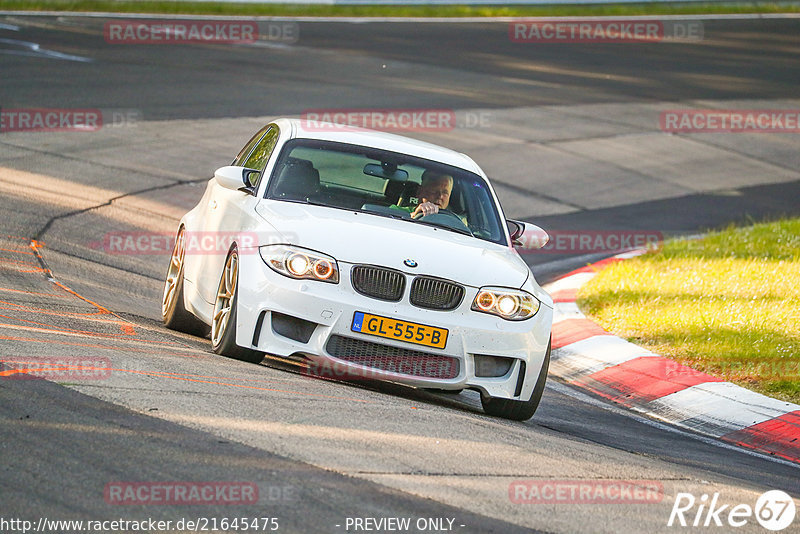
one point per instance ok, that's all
(173, 312)
(224, 342)
(519, 410)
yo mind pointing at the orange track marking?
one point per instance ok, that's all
(26, 239)
(23, 263)
(54, 295)
(12, 306)
(69, 330)
(17, 251)
(128, 329)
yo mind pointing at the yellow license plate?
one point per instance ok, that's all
(419, 334)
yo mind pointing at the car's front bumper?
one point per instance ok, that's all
(331, 307)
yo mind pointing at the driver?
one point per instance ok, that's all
(433, 194)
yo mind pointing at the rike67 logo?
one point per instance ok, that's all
(774, 510)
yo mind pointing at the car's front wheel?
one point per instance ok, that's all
(173, 311)
(519, 410)
(223, 322)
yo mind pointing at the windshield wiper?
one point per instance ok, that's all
(301, 201)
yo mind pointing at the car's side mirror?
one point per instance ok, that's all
(537, 237)
(515, 230)
(237, 178)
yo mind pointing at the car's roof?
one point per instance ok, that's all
(306, 129)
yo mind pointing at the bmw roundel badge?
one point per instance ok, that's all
(410, 263)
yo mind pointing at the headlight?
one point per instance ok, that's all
(300, 263)
(511, 304)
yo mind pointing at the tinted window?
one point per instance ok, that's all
(260, 154)
(245, 151)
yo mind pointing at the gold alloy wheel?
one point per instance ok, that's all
(175, 268)
(224, 302)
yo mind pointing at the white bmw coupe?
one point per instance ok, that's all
(367, 255)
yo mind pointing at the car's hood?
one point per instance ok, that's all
(355, 237)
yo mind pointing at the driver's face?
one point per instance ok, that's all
(437, 191)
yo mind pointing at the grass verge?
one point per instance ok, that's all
(295, 10)
(727, 304)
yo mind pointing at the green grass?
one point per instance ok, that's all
(727, 304)
(215, 8)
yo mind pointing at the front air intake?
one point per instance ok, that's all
(393, 359)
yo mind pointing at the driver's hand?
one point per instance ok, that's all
(425, 208)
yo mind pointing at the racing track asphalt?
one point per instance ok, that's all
(342, 449)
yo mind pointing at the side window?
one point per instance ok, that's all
(249, 146)
(260, 155)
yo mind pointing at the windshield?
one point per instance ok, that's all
(387, 184)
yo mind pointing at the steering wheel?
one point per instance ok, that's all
(449, 219)
(441, 210)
